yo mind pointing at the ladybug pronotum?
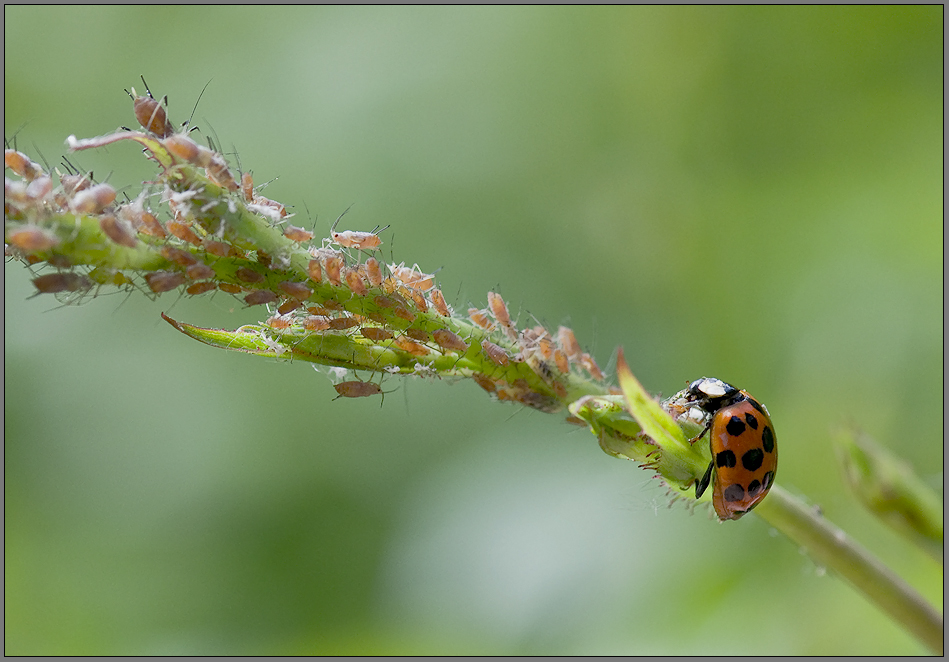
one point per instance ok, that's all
(743, 445)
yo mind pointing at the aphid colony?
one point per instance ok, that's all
(338, 286)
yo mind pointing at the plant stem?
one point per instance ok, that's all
(831, 547)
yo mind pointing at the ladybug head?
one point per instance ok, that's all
(712, 394)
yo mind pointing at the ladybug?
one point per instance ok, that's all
(743, 445)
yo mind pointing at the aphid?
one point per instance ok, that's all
(568, 343)
(412, 278)
(150, 114)
(375, 333)
(74, 183)
(298, 291)
(403, 313)
(315, 271)
(183, 232)
(484, 382)
(21, 164)
(142, 220)
(438, 301)
(230, 288)
(247, 186)
(201, 288)
(279, 322)
(258, 297)
(248, 275)
(271, 208)
(188, 150)
(40, 188)
(385, 302)
(218, 248)
(32, 238)
(480, 317)
(411, 347)
(743, 444)
(374, 272)
(118, 231)
(449, 340)
(588, 364)
(93, 200)
(332, 266)
(376, 317)
(213, 163)
(562, 362)
(420, 335)
(219, 174)
(332, 304)
(297, 234)
(164, 281)
(495, 353)
(343, 323)
(316, 323)
(199, 271)
(499, 309)
(355, 282)
(358, 240)
(178, 256)
(419, 300)
(289, 306)
(357, 389)
(62, 282)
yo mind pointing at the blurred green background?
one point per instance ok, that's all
(749, 193)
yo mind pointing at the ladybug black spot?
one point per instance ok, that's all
(752, 459)
(767, 439)
(768, 480)
(754, 488)
(735, 426)
(726, 459)
(751, 421)
(734, 492)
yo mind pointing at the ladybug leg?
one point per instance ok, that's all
(701, 434)
(702, 485)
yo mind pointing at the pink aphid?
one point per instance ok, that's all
(94, 199)
(201, 288)
(439, 302)
(375, 333)
(120, 232)
(355, 282)
(150, 113)
(294, 233)
(298, 291)
(413, 278)
(316, 323)
(32, 238)
(357, 389)
(258, 297)
(164, 281)
(495, 353)
(315, 271)
(62, 282)
(199, 271)
(449, 340)
(21, 164)
(358, 240)
(568, 343)
(332, 266)
(374, 272)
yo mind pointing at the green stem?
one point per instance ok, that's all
(831, 547)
